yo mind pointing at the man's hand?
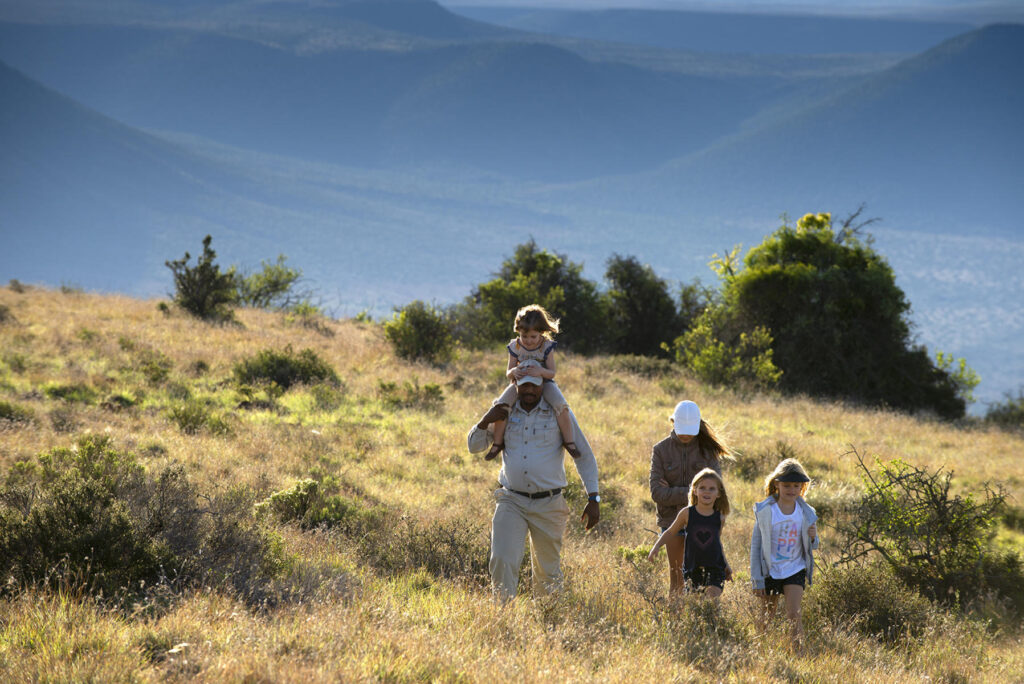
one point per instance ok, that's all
(591, 514)
(728, 574)
(495, 413)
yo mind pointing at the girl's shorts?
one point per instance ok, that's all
(702, 576)
(773, 587)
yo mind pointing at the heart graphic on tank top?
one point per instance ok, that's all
(703, 537)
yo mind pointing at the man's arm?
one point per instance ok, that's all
(586, 464)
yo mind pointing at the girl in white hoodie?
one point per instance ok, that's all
(782, 544)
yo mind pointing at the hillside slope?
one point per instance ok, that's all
(407, 598)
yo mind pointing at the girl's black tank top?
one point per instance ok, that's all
(703, 541)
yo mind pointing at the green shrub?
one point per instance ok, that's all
(418, 331)
(450, 548)
(17, 286)
(308, 504)
(192, 417)
(93, 514)
(753, 465)
(309, 316)
(5, 315)
(204, 290)
(430, 397)
(721, 350)
(75, 392)
(14, 414)
(936, 542)
(285, 368)
(271, 287)
(155, 366)
(1008, 414)
(326, 397)
(870, 599)
(63, 419)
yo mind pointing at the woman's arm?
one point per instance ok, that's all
(679, 523)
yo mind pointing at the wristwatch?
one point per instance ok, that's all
(595, 497)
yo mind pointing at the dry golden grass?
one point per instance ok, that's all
(353, 624)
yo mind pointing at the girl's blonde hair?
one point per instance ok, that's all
(722, 502)
(786, 467)
(535, 317)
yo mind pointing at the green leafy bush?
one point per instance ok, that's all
(721, 350)
(74, 392)
(838, 321)
(285, 368)
(95, 514)
(1008, 414)
(640, 308)
(270, 287)
(308, 504)
(15, 414)
(5, 315)
(193, 417)
(870, 599)
(535, 276)
(418, 332)
(937, 542)
(204, 290)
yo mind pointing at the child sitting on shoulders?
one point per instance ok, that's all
(535, 329)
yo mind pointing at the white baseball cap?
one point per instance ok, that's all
(686, 418)
(535, 379)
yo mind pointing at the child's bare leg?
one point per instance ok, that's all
(794, 595)
(499, 439)
(675, 547)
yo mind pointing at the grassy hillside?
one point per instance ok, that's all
(341, 609)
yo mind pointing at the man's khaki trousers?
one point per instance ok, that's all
(544, 520)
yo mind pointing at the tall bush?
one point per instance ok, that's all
(204, 290)
(419, 332)
(838, 320)
(536, 276)
(641, 311)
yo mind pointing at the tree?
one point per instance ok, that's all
(271, 287)
(536, 276)
(640, 308)
(837, 318)
(204, 290)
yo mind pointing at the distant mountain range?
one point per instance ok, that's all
(395, 150)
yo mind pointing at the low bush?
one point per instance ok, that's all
(450, 548)
(326, 397)
(15, 414)
(1008, 414)
(5, 315)
(75, 392)
(755, 464)
(193, 417)
(938, 543)
(309, 504)
(94, 514)
(871, 600)
(419, 332)
(285, 368)
(429, 397)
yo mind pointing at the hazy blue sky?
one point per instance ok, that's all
(990, 8)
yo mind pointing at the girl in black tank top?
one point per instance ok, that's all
(704, 564)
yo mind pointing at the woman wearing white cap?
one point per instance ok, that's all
(691, 447)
